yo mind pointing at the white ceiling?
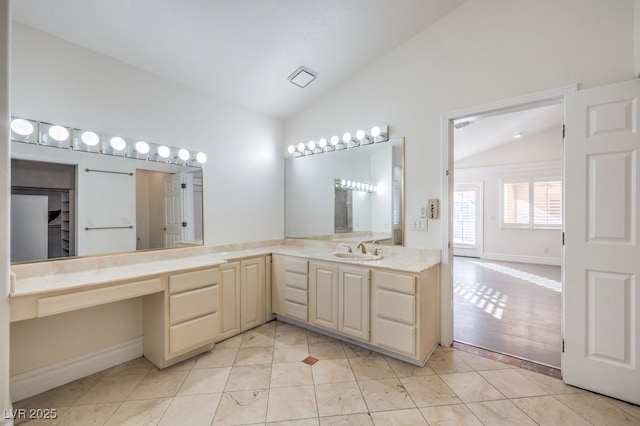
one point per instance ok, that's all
(488, 132)
(239, 50)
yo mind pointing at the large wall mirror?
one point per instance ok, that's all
(331, 195)
(70, 203)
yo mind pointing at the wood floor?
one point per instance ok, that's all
(511, 308)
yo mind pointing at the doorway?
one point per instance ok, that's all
(484, 186)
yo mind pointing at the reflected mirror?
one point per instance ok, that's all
(354, 194)
(71, 203)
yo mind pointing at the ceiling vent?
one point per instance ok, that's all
(302, 76)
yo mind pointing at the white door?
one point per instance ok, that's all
(173, 210)
(601, 299)
(353, 303)
(323, 295)
(467, 219)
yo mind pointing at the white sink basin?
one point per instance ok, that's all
(343, 255)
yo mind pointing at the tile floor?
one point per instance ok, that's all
(259, 378)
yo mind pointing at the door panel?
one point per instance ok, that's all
(601, 298)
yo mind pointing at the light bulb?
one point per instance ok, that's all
(183, 154)
(164, 151)
(349, 183)
(375, 189)
(21, 127)
(343, 182)
(358, 185)
(360, 134)
(89, 138)
(117, 143)
(142, 147)
(291, 149)
(58, 133)
(322, 143)
(311, 145)
(201, 157)
(335, 140)
(301, 147)
(376, 131)
(346, 138)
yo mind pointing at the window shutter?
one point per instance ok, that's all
(464, 217)
(516, 203)
(547, 203)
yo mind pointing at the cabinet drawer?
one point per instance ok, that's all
(193, 304)
(294, 310)
(396, 282)
(191, 334)
(296, 295)
(396, 306)
(292, 279)
(192, 280)
(293, 264)
(395, 336)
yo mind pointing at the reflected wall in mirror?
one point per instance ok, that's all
(72, 203)
(315, 207)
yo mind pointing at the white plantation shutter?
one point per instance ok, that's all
(516, 208)
(547, 203)
(465, 217)
(532, 203)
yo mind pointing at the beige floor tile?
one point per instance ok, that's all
(134, 367)
(298, 422)
(31, 418)
(550, 385)
(446, 362)
(191, 410)
(292, 403)
(142, 412)
(427, 391)
(62, 396)
(248, 377)
(230, 343)
(512, 384)
(187, 364)
(288, 374)
(371, 368)
(85, 415)
(479, 363)
(404, 369)
(634, 410)
(290, 337)
(242, 407)
(111, 389)
(205, 380)
(546, 410)
(348, 420)
(450, 415)
(385, 394)
(500, 413)
(216, 358)
(411, 417)
(284, 327)
(266, 328)
(339, 399)
(313, 337)
(254, 339)
(471, 387)
(254, 356)
(332, 371)
(353, 351)
(597, 409)
(290, 353)
(330, 350)
(159, 384)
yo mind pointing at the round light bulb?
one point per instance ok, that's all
(58, 133)
(142, 147)
(201, 157)
(21, 127)
(335, 140)
(322, 143)
(358, 185)
(291, 149)
(117, 143)
(183, 154)
(311, 145)
(346, 138)
(89, 138)
(375, 189)
(376, 131)
(164, 151)
(349, 183)
(360, 134)
(301, 147)
(343, 182)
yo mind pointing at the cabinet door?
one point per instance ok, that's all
(252, 288)
(229, 300)
(354, 302)
(323, 295)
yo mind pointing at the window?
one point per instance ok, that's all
(465, 217)
(532, 203)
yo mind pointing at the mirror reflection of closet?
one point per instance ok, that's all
(42, 210)
(343, 211)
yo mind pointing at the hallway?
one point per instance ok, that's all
(511, 308)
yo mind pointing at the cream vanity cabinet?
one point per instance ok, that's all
(290, 289)
(339, 298)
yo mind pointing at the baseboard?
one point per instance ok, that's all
(48, 377)
(522, 259)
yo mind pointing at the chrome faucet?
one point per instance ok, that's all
(362, 248)
(348, 248)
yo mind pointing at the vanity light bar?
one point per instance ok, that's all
(47, 134)
(375, 135)
(355, 186)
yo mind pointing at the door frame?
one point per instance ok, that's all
(446, 274)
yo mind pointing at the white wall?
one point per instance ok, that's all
(484, 51)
